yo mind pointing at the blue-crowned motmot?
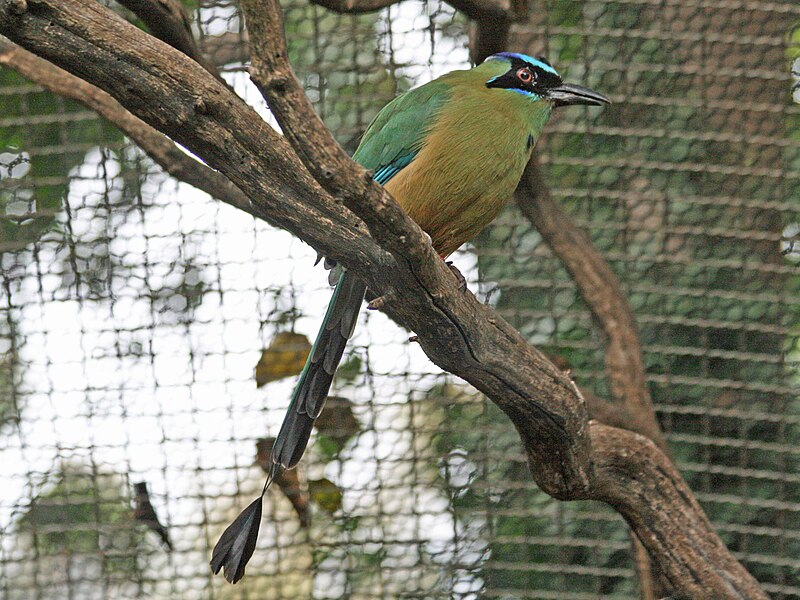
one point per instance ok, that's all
(451, 152)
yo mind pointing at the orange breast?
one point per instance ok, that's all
(463, 175)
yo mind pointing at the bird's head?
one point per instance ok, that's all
(537, 79)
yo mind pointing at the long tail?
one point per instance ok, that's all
(238, 541)
(315, 379)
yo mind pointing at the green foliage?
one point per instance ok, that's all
(35, 129)
(10, 398)
(85, 513)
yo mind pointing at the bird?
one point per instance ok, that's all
(451, 152)
(143, 512)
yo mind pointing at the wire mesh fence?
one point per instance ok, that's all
(149, 334)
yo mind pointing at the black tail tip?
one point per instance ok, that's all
(237, 543)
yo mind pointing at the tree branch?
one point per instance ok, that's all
(639, 481)
(354, 7)
(466, 325)
(602, 292)
(175, 95)
(168, 21)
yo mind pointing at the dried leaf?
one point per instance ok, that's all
(288, 481)
(326, 494)
(285, 356)
(337, 421)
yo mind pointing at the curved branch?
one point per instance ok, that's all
(642, 484)
(172, 93)
(269, 64)
(569, 457)
(462, 338)
(602, 292)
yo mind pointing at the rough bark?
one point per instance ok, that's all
(570, 456)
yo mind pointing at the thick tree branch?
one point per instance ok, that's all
(266, 24)
(470, 356)
(172, 93)
(175, 95)
(640, 482)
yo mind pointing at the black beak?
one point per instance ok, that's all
(568, 94)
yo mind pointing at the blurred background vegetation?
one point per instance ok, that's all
(148, 333)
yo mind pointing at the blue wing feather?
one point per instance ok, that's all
(385, 173)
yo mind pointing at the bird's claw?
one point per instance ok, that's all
(376, 303)
(462, 282)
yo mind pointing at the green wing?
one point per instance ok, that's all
(397, 133)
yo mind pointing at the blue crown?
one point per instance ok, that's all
(536, 62)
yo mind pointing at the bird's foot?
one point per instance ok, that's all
(462, 282)
(376, 303)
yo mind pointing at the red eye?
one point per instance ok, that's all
(525, 76)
